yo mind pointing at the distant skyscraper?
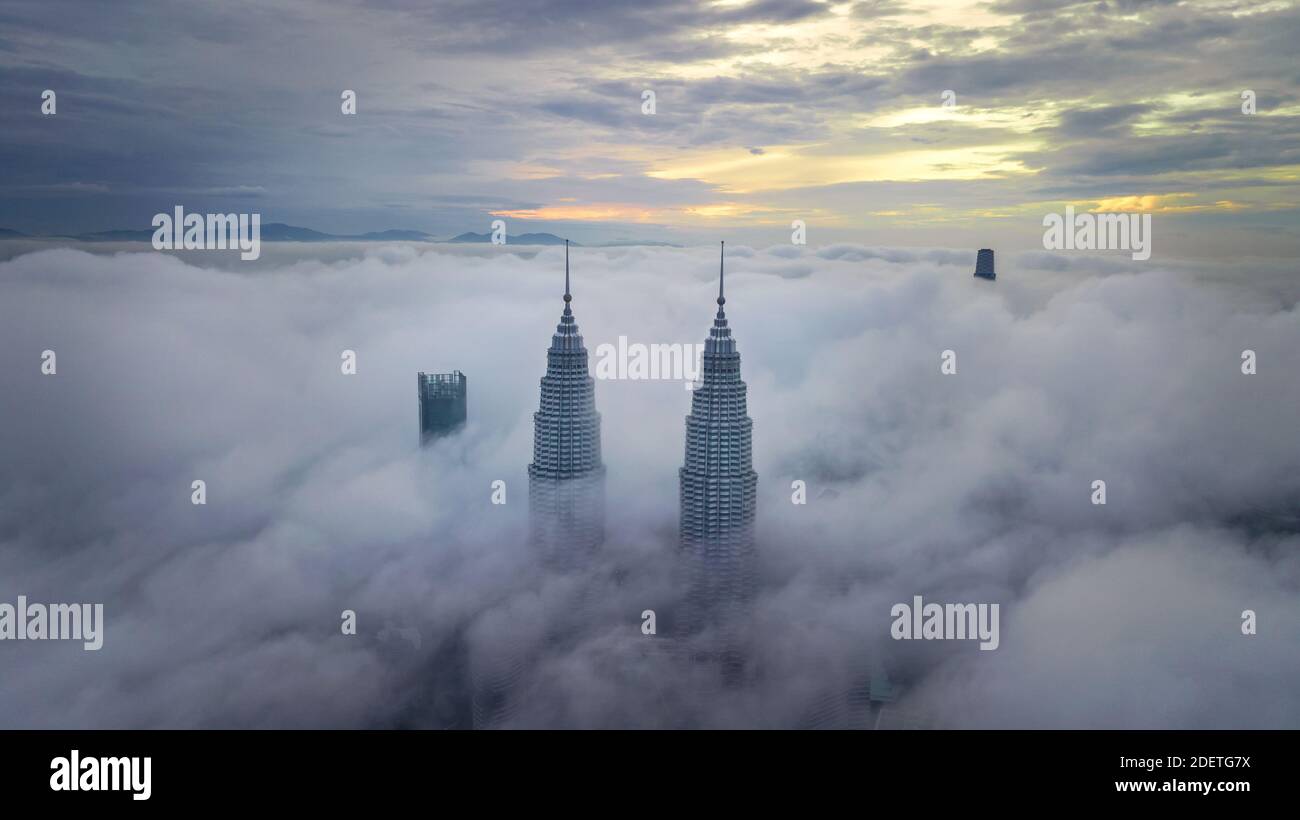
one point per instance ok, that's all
(718, 487)
(984, 265)
(566, 481)
(442, 403)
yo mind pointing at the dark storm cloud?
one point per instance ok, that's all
(764, 98)
(1086, 122)
(1094, 51)
(772, 11)
(994, 77)
(972, 487)
(1153, 155)
(1169, 34)
(1043, 6)
(595, 110)
(501, 26)
(781, 107)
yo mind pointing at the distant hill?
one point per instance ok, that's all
(270, 232)
(394, 236)
(521, 239)
(630, 243)
(115, 236)
(280, 232)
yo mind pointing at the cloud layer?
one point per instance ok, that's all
(972, 487)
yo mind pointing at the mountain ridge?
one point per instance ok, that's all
(282, 232)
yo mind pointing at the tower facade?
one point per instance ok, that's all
(984, 264)
(718, 486)
(566, 480)
(442, 403)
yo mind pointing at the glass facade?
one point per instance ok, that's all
(442, 403)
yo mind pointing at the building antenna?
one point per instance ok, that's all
(721, 259)
(567, 297)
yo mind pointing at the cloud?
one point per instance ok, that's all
(455, 96)
(1090, 121)
(973, 487)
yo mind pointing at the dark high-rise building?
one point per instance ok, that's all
(718, 488)
(442, 403)
(984, 265)
(566, 480)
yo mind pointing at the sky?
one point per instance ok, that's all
(766, 112)
(1072, 367)
(974, 487)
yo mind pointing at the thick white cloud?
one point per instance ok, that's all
(973, 487)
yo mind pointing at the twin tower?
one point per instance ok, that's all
(566, 480)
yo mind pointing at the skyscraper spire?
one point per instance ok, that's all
(567, 297)
(722, 259)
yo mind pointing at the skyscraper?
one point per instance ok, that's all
(984, 264)
(442, 403)
(718, 487)
(566, 480)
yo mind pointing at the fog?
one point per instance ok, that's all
(972, 487)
